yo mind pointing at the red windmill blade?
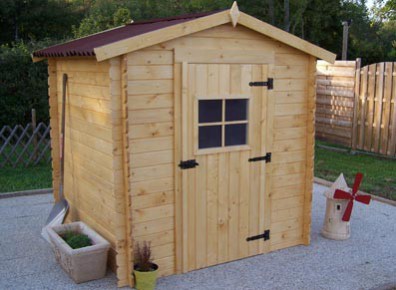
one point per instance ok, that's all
(340, 194)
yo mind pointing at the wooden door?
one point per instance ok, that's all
(223, 199)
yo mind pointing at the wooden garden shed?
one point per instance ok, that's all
(195, 133)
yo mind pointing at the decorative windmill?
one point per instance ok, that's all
(341, 194)
(339, 207)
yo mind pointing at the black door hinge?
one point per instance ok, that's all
(269, 84)
(265, 236)
(188, 164)
(267, 158)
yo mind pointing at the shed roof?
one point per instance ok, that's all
(135, 36)
(85, 46)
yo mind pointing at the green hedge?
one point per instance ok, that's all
(23, 85)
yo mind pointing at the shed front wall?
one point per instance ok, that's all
(153, 81)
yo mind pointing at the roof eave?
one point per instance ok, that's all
(37, 59)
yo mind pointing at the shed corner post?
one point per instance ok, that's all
(267, 179)
(177, 82)
(118, 75)
(54, 124)
(310, 147)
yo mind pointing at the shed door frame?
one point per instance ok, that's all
(181, 153)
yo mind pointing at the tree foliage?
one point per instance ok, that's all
(102, 15)
(34, 20)
(385, 10)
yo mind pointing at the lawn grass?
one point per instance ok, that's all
(21, 178)
(379, 173)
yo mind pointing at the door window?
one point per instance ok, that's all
(222, 123)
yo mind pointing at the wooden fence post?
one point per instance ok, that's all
(391, 151)
(356, 104)
(34, 126)
(386, 109)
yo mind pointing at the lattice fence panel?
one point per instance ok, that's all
(25, 146)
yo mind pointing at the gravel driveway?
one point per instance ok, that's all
(366, 261)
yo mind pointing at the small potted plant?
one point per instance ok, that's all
(80, 251)
(144, 270)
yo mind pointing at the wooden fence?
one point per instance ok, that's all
(335, 101)
(375, 120)
(24, 146)
(357, 106)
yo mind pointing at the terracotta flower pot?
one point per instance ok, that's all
(146, 280)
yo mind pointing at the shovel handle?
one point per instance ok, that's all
(62, 137)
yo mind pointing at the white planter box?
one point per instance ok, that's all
(84, 264)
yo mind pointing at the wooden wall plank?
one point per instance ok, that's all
(151, 144)
(293, 121)
(156, 57)
(157, 101)
(149, 72)
(150, 186)
(291, 97)
(222, 56)
(151, 130)
(289, 133)
(151, 116)
(153, 199)
(145, 87)
(151, 158)
(152, 172)
(153, 227)
(152, 213)
(228, 40)
(290, 109)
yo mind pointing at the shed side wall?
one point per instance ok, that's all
(151, 135)
(89, 147)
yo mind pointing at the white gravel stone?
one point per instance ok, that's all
(366, 261)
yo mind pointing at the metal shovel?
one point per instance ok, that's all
(59, 210)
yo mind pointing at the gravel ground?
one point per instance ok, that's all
(366, 261)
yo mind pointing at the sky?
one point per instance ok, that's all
(369, 3)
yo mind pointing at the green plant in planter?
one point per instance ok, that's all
(76, 240)
(145, 270)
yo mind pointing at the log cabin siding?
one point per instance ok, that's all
(151, 116)
(90, 147)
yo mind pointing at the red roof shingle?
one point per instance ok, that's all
(85, 46)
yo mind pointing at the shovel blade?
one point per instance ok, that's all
(60, 208)
(55, 218)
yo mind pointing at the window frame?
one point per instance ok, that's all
(223, 123)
